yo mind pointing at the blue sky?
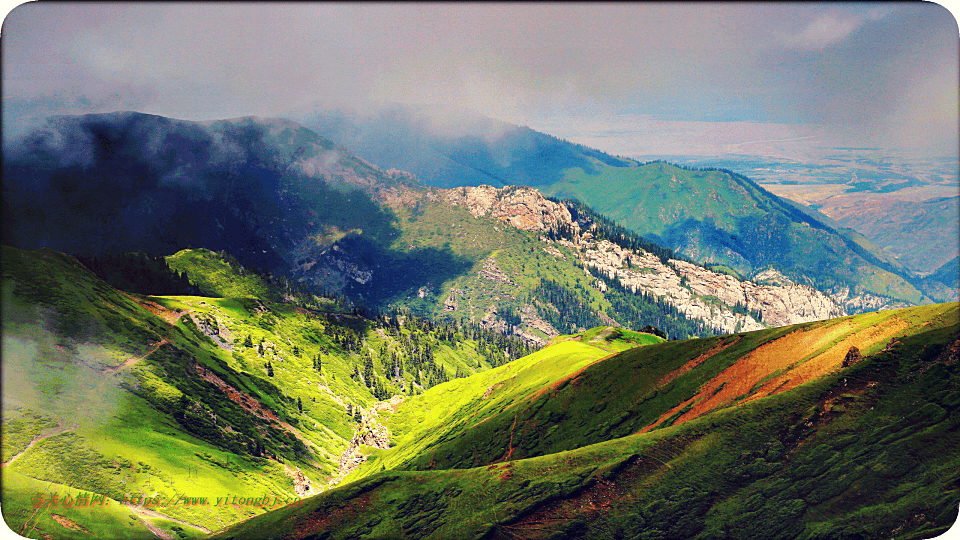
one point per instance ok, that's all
(839, 74)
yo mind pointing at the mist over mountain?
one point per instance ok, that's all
(455, 147)
(118, 182)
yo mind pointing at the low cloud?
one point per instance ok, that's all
(824, 65)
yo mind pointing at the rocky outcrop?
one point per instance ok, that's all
(522, 207)
(491, 271)
(210, 326)
(853, 356)
(532, 326)
(780, 305)
(370, 432)
(721, 301)
(452, 301)
(708, 296)
(301, 484)
(490, 321)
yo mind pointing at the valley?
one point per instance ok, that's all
(296, 323)
(443, 271)
(123, 396)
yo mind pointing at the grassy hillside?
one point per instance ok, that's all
(784, 434)
(715, 217)
(123, 395)
(423, 429)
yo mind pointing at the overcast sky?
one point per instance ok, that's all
(634, 77)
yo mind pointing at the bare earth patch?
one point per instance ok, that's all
(68, 523)
(738, 379)
(830, 359)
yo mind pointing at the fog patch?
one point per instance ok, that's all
(63, 382)
(319, 165)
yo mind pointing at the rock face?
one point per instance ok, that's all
(370, 433)
(210, 327)
(491, 271)
(522, 207)
(705, 295)
(490, 321)
(720, 300)
(854, 302)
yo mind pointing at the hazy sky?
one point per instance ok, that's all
(636, 77)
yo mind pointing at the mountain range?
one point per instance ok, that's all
(713, 216)
(199, 311)
(284, 200)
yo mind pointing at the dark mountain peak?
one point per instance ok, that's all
(123, 181)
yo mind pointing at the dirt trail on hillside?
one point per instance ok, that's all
(170, 316)
(159, 532)
(52, 432)
(136, 359)
(68, 523)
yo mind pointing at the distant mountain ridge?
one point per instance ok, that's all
(282, 199)
(712, 216)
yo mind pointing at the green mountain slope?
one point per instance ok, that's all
(283, 200)
(713, 217)
(121, 395)
(717, 217)
(837, 429)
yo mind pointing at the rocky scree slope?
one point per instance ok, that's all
(698, 293)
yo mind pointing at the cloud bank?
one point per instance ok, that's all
(865, 74)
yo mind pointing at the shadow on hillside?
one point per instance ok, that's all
(381, 276)
(109, 184)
